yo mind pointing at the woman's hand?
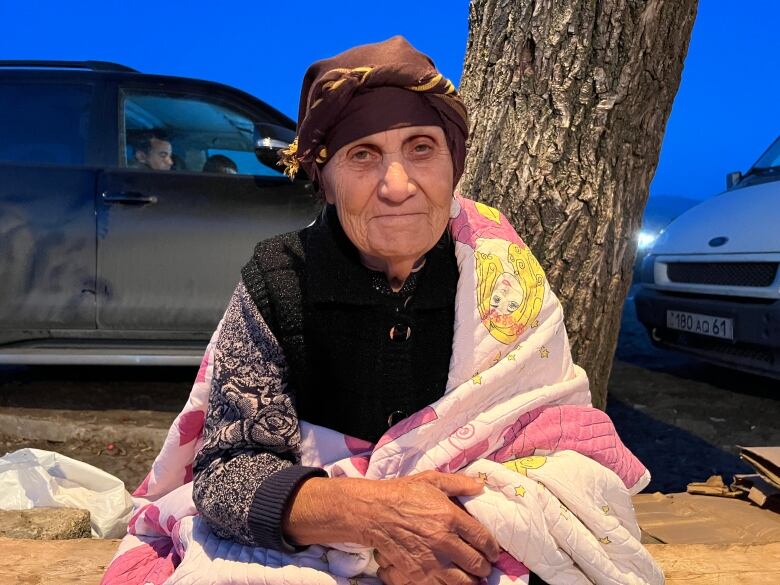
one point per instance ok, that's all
(421, 536)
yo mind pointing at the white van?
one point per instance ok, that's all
(710, 284)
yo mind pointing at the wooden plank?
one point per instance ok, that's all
(49, 562)
(82, 562)
(718, 564)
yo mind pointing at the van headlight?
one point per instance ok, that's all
(646, 239)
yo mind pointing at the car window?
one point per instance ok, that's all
(44, 123)
(174, 133)
(771, 158)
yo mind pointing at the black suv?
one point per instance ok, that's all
(107, 256)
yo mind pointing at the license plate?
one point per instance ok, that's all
(701, 324)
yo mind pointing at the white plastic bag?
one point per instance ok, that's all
(34, 478)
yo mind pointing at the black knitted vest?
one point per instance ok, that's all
(359, 358)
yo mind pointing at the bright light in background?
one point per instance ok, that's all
(645, 239)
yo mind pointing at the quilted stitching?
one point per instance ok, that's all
(516, 413)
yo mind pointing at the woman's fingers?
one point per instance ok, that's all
(416, 563)
(463, 554)
(381, 559)
(421, 558)
(454, 576)
(451, 484)
(391, 576)
(423, 537)
(474, 533)
(480, 547)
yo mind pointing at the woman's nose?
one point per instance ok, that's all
(396, 184)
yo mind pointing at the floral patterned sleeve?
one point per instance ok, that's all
(248, 466)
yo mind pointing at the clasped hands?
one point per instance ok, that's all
(421, 536)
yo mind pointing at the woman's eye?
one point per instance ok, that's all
(513, 306)
(422, 148)
(361, 155)
(496, 299)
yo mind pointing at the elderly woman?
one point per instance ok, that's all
(362, 303)
(406, 335)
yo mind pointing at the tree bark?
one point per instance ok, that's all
(568, 102)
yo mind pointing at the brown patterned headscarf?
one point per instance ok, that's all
(369, 89)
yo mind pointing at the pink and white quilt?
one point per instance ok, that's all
(516, 413)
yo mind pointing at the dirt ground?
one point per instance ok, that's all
(115, 396)
(682, 418)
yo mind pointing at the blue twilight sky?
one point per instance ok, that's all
(726, 113)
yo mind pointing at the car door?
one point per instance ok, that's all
(171, 241)
(47, 222)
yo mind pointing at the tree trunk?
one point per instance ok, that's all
(568, 102)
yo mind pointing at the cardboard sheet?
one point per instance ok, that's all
(714, 486)
(765, 460)
(718, 564)
(763, 490)
(697, 519)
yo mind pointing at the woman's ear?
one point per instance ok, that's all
(324, 196)
(316, 189)
(324, 191)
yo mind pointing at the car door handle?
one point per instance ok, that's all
(128, 198)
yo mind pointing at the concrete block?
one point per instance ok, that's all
(45, 524)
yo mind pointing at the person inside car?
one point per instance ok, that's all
(152, 150)
(219, 163)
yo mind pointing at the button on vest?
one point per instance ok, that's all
(400, 332)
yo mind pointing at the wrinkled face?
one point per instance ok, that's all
(392, 191)
(507, 295)
(158, 157)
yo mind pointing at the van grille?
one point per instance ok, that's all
(723, 273)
